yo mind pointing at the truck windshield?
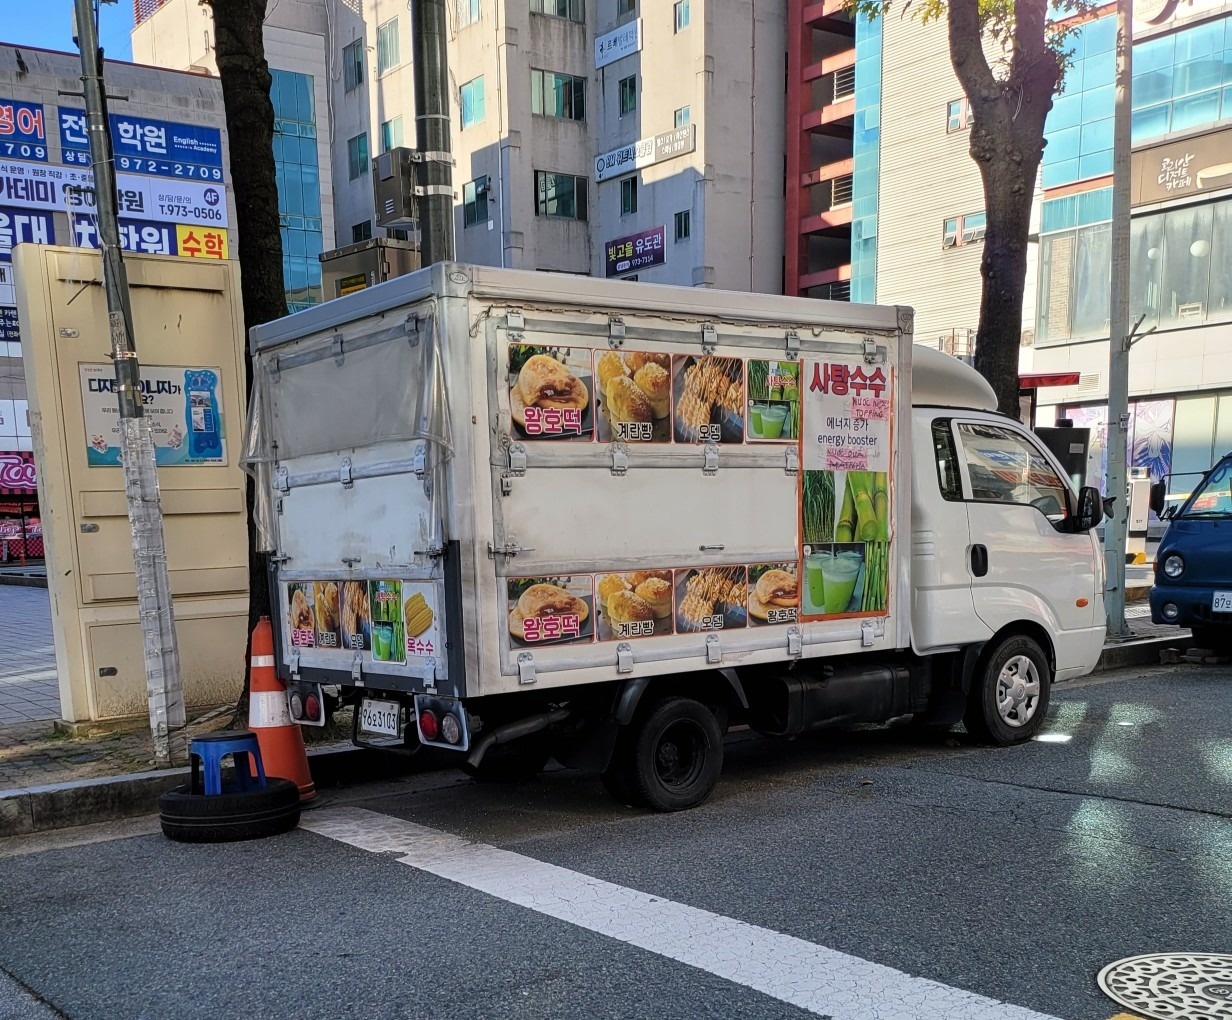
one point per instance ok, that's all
(1213, 497)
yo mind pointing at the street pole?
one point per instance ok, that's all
(1118, 331)
(434, 176)
(145, 514)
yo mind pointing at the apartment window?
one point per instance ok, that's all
(628, 94)
(387, 47)
(624, 7)
(562, 195)
(628, 196)
(357, 155)
(472, 102)
(353, 64)
(468, 12)
(361, 231)
(391, 134)
(683, 225)
(681, 9)
(682, 120)
(960, 230)
(958, 115)
(557, 95)
(573, 10)
(475, 201)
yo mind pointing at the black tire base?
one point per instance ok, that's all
(229, 817)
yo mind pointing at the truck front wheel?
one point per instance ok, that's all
(1010, 692)
(673, 756)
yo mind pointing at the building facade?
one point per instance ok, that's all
(173, 194)
(590, 136)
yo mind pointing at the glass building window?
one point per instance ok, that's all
(475, 201)
(628, 196)
(628, 94)
(959, 230)
(624, 7)
(468, 12)
(472, 102)
(361, 231)
(1180, 273)
(353, 65)
(683, 225)
(1079, 126)
(1182, 81)
(387, 57)
(560, 195)
(682, 117)
(958, 115)
(298, 178)
(573, 10)
(357, 156)
(680, 11)
(391, 134)
(557, 95)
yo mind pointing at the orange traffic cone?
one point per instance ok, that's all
(282, 743)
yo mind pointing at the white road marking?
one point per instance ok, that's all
(810, 976)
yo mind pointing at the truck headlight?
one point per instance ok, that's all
(1174, 566)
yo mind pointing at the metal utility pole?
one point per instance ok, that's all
(434, 177)
(145, 514)
(1118, 330)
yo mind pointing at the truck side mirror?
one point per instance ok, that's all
(1090, 509)
(1158, 491)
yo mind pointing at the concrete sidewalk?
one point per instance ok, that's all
(29, 691)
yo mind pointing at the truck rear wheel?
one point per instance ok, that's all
(1010, 692)
(674, 756)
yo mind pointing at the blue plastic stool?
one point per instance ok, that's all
(205, 755)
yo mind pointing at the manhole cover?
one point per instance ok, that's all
(1172, 986)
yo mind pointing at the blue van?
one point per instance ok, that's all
(1193, 567)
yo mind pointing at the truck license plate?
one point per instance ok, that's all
(1222, 602)
(383, 717)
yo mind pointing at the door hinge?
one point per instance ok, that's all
(526, 668)
(517, 460)
(795, 641)
(714, 652)
(791, 458)
(282, 480)
(870, 351)
(419, 462)
(624, 657)
(335, 344)
(620, 461)
(514, 323)
(710, 459)
(507, 549)
(792, 344)
(615, 332)
(710, 339)
(867, 633)
(357, 669)
(344, 473)
(295, 665)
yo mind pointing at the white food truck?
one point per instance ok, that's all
(523, 515)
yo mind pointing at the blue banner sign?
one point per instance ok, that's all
(141, 146)
(23, 130)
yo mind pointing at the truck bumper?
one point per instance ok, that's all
(1193, 607)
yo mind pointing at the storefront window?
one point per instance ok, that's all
(1187, 264)
(1219, 303)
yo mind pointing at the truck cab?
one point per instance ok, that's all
(1193, 567)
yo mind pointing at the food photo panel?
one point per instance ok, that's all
(635, 396)
(551, 392)
(773, 401)
(711, 598)
(550, 610)
(634, 604)
(774, 593)
(708, 396)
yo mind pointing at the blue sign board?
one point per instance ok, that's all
(140, 236)
(142, 146)
(23, 225)
(8, 325)
(23, 131)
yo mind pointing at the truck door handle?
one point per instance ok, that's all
(979, 560)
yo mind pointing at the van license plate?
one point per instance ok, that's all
(1222, 602)
(383, 717)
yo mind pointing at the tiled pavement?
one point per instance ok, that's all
(28, 688)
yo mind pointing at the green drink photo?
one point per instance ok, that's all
(815, 580)
(382, 641)
(839, 575)
(772, 419)
(755, 416)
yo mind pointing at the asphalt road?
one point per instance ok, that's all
(863, 875)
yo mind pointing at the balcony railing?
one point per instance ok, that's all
(840, 191)
(844, 83)
(143, 9)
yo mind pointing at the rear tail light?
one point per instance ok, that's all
(428, 726)
(451, 729)
(296, 704)
(442, 722)
(312, 708)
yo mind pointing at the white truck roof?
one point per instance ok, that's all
(938, 380)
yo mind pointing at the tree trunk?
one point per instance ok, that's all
(239, 49)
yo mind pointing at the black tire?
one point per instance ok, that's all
(987, 718)
(229, 817)
(676, 755)
(1218, 639)
(519, 762)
